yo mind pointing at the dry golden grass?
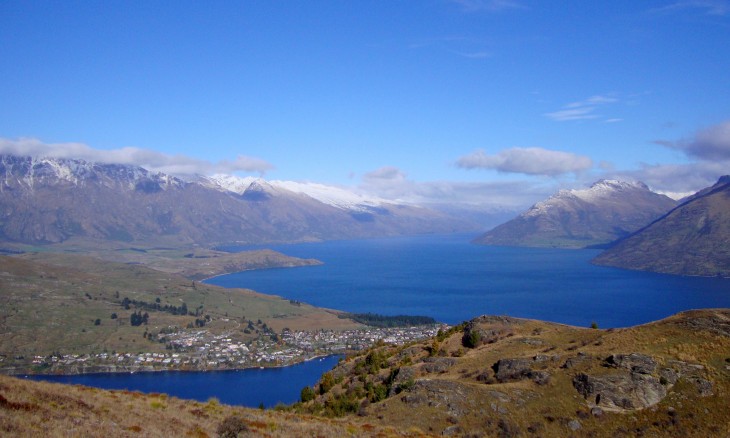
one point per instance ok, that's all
(38, 409)
(456, 400)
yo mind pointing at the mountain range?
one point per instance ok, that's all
(606, 211)
(691, 239)
(50, 200)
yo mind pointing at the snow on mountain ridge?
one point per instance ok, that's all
(330, 195)
(31, 170)
(232, 183)
(334, 196)
(601, 189)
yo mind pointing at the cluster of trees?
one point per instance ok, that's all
(384, 321)
(137, 318)
(157, 306)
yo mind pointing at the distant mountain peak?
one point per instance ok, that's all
(30, 172)
(607, 210)
(46, 200)
(614, 184)
(337, 197)
(691, 239)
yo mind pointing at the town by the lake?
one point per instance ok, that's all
(199, 350)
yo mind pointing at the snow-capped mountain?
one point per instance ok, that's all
(31, 171)
(45, 200)
(330, 195)
(606, 211)
(692, 239)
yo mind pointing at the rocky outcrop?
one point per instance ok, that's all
(621, 390)
(440, 393)
(631, 387)
(506, 370)
(403, 379)
(636, 362)
(438, 364)
(575, 361)
(476, 335)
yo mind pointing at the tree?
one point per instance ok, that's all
(307, 394)
(328, 381)
(97, 322)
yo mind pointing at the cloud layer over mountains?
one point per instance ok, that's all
(529, 173)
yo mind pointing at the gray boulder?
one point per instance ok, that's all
(635, 362)
(575, 361)
(404, 377)
(620, 390)
(506, 370)
(438, 364)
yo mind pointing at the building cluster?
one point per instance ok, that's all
(203, 350)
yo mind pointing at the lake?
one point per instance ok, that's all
(445, 277)
(452, 280)
(250, 387)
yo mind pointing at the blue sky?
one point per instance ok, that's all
(493, 101)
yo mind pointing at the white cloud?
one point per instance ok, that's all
(572, 114)
(529, 161)
(151, 160)
(386, 173)
(709, 7)
(582, 110)
(392, 183)
(710, 144)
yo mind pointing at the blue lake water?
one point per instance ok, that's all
(445, 277)
(249, 387)
(452, 280)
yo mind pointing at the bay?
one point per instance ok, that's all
(452, 280)
(249, 387)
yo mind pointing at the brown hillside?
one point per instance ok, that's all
(501, 376)
(36, 409)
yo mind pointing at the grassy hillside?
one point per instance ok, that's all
(35, 409)
(501, 376)
(193, 262)
(73, 304)
(493, 376)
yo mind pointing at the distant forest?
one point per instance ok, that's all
(384, 321)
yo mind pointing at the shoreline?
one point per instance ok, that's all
(144, 370)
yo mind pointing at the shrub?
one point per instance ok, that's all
(231, 426)
(471, 339)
